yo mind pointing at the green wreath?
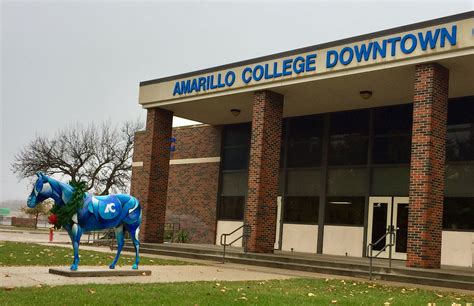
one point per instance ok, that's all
(65, 212)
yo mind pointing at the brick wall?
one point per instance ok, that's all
(261, 207)
(150, 181)
(192, 188)
(23, 222)
(425, 217)
(197, 141)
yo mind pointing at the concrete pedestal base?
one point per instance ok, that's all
(99, 273)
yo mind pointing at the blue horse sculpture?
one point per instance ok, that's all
(119, 211)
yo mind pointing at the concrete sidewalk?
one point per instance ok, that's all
(31, 235)
(39, 276)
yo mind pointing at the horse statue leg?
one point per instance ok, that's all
(75, 233)
(134, 230)
(120, 242)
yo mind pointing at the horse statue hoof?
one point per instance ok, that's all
(73, 268)
(135, 267)
(112, 267)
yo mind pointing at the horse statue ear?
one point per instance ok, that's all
(39, 174)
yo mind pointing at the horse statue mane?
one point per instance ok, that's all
(118, 211)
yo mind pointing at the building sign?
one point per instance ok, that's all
(363, 52)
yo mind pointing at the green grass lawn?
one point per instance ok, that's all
(31, 254)
(284, 292)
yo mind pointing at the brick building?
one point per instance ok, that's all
(321, 149)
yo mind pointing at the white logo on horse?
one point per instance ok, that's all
(110, 208)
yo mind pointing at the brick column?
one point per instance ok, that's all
(150, 173)
(425, 216)
(261, 208)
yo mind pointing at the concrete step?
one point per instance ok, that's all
(361, 264)
(416, 276)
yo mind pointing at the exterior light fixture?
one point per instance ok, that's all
(235, 112)
(365, 94)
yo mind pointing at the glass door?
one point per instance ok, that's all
(379, 219)
(400, 222)
(383, 213)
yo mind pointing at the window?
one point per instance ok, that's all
(303, 182)
(237, 135)
(281, 181)
(345, 211)
(390, 181)
(235, 155)
(348, 142)
(301, 210)
(392, 134)
(235, 158)
(459, 180)
(458, 213)
(347, 182)
(305, 128)
(305, 154)
(305, 141)
(393, 149)
(460, 136)
(234, 183)
(393, 119)
(231, 208)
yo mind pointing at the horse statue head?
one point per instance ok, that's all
(41, 190)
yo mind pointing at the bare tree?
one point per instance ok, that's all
(99, 155)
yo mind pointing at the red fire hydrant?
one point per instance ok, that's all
(51, 231)
(52, 219)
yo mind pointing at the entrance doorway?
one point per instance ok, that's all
(383, 213)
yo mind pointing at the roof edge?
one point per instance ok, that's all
(426, 23)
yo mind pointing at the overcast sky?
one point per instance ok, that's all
(64, 62)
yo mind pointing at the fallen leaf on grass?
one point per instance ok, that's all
(9, 288)
(334, 302)
(310, 294)
(243, 298)
(39, 286)
(91, 291)
(439, 295)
